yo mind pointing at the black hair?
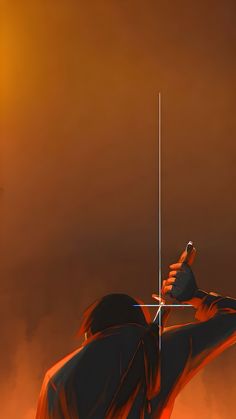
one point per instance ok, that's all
(120, 309)
(113, 310)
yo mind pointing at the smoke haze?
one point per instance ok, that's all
(78, 198)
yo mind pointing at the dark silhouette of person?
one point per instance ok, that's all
(119, 371)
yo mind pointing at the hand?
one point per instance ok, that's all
(181, 283)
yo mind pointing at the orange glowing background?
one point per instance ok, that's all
(79, 83)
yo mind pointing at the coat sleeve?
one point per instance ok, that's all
(213, 332)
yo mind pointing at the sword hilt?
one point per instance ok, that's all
(189, 247)
(187, 255)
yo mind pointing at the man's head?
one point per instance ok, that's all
(113, 310)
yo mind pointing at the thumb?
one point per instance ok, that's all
(188, 254)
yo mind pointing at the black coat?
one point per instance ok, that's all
(83, 384)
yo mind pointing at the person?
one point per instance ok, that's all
(120, 371)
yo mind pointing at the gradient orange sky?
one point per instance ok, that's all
(79, 83)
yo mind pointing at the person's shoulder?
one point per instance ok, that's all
(53, 371)
(177, 337)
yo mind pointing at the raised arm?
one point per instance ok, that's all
(215, 326)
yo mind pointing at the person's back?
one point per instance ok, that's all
(107, 376)
(119, 371)
(89, 380)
